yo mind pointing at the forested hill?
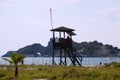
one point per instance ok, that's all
(87, 49)
(97, 49)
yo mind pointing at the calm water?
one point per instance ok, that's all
(48, 61)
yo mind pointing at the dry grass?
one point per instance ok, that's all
(30, 72)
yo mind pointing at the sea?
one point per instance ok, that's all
(87, 61)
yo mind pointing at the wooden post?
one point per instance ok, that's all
(65, 53)
(60, 49)
(53, 62)
(65, 58)
(60, 56)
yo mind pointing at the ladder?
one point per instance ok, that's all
(74, 56)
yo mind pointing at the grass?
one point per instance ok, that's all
(30, 72)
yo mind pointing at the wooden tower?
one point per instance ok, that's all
(65, 50)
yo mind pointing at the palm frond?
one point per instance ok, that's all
(8, 60)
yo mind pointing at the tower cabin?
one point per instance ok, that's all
(63, 44)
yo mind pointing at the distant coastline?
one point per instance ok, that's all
(85, 49)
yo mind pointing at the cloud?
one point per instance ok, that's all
(108, 11)
(109, 14)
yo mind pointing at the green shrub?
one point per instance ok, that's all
(1, 75)
(115, 64)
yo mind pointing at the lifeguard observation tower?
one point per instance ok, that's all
(65, 51)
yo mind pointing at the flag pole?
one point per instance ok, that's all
(51, 18)
(53, 62)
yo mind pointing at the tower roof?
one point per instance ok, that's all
(62, 29)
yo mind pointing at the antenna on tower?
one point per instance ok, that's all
(51, 18)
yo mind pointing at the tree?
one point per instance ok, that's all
(15, 59)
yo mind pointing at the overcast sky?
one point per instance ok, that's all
(24, 22)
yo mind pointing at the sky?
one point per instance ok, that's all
(25, 22)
